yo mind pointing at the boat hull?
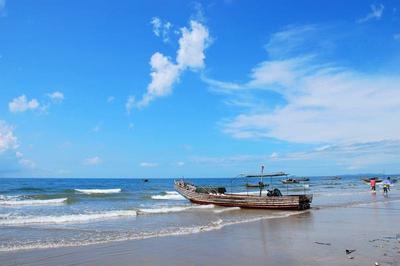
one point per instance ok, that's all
(290, 202)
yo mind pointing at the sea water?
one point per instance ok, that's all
(43, 213)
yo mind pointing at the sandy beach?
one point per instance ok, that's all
(315, 237)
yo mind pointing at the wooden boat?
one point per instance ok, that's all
(256, 185)
(289, 181)
(218, 196)
(303, 179)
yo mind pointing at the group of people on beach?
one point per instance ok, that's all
(386, 185)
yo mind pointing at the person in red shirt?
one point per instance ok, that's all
(373, 184)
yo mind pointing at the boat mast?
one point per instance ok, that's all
(262, 173)
(261, 179)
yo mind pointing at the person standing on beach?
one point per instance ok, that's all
(373, 184)
(386, 186)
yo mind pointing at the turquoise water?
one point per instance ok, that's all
(40, 213)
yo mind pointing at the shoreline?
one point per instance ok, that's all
(314, 237)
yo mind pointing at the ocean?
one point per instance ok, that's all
(45, 213)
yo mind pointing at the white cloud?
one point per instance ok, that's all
(2, 5)
(165, 73)
(130, 103)
(8, 140)
(180, 163)
(56, 97)
(27, 163)
(110, 99)
(24, 162)
(97, 127)
(327, 106)
(376, 13)
(22, 104)
(161, 29)
(92, 160)
(274, 155)
(148, 164)
(322, 102)
(192, 45)
(156, 22)
(349, 156)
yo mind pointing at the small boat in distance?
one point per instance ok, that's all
(289, 181)
(218, 196)
(260, 184)
(295, 180)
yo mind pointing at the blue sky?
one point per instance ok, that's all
(198, 89)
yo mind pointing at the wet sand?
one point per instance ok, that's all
(316, 237)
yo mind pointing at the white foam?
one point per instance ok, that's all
(215, 225)
(69, 218)
(31, 202)
(163, 210)
(174, 209)
(226, 209)
(169, 195)
(99, 191)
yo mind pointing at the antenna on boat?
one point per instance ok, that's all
(261, 179)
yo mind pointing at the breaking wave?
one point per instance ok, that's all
(99, 191)
(69, 218)
(174, 209)
(226, 209)
(16, 201)
(168, 195)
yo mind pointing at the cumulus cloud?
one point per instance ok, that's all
(161, 29)
(92, 160)
(375, 14)
(148, 164)
(56, 97)
(22, 104)
(165, 73)
(8, 140)
(192, 45)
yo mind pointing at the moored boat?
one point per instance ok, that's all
(289, 181)
(218, 196)
(260, 184)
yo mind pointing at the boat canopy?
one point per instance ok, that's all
(267, 175)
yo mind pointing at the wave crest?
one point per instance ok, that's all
(69, 218)
(168, 195)
(99, 191)
(14, 201)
